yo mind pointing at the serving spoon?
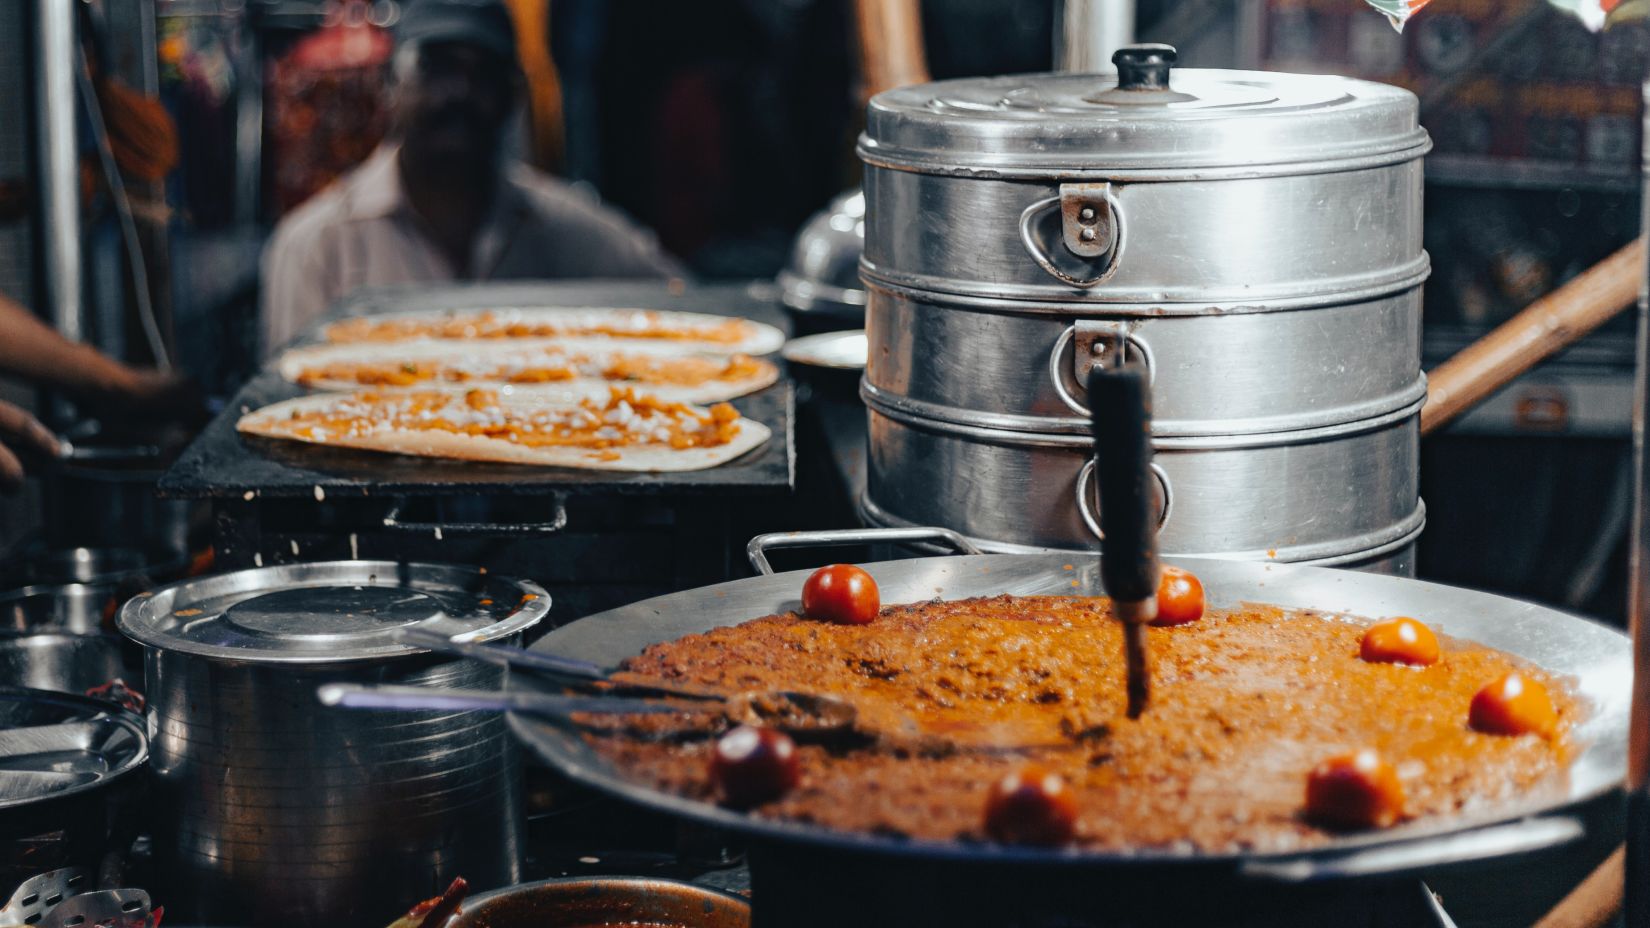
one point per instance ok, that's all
(808, 716)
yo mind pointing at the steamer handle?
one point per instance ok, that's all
(759, 546)
(1084, 209)
(556, 522)
(1520, 837)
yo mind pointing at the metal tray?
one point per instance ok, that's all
(222, 463)
(1597, 659)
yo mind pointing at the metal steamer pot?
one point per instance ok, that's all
(1254, 239)
(797, 869)
(274, 810)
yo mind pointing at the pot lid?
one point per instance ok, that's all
(823, 271)
(329, 611)
(54, 745)
(1149, 116)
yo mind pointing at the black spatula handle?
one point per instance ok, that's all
(1121, 420)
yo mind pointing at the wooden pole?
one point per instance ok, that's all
(890, 42)
(1547, 326)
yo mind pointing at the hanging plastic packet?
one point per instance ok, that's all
(1601, 14)
(1398, 11)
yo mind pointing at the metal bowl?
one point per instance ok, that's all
(58, 662)
(72, 608)
(604, 901)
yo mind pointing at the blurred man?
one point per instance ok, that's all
(36, 354)
(438, 201)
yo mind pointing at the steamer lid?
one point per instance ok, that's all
(1146, 118)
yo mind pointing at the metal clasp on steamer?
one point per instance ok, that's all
(1091, 227)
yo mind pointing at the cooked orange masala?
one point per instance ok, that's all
(1246, 703)
(623, 419)
(643, 324)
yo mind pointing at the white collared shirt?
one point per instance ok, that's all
(363, 232)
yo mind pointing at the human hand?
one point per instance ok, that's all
(20, 432)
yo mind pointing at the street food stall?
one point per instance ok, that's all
(1037, 547)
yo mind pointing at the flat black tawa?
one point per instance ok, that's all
(222, 463)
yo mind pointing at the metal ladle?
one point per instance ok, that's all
(809, 716)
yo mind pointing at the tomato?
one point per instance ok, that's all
(1513, 704)
(1179, 597)
(1356, 790)
(1031, 806)
(841, 593)
(1400, 641)
(750, 766)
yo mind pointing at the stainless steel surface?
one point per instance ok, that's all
(1019, 365)
(104, 908)
(1597, 659)
(272, 809)
(1285, 496)
(62, 663)
(1394, 558)
(1086, 32)
(563, 709)
(499, 655)
(1253, 239)
(37, 895)
(99, 567)
(328, 612)
(603, 901)
(822, 276)
(757, 550)
(843, 351)
(53, 746)
(57, 165)
(72, 608)
(1076, 126)
(1258, 243)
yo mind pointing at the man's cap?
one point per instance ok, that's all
(483, 23)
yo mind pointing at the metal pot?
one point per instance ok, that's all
(51, 637)
(61, 663)
(65, 762)
(615, 901)
(71, 608)
(820, 285)
(1253, 238)
(274, 810)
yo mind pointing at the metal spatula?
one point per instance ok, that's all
(38, 895)
(1121, 421)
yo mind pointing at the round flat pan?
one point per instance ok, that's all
(1596, 659)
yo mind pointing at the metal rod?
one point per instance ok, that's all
(1638, 613)
(1086, 32)
(56, 165)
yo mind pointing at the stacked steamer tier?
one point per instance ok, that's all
(1253, 238)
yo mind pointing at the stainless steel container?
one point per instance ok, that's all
(1299, 491)
(1254, 239)
(51, 637)
(274, 810)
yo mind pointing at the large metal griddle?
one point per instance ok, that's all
(1597, 659)
(223, 464)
